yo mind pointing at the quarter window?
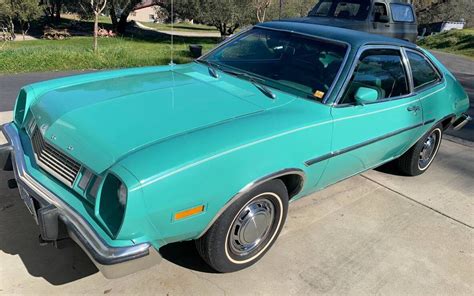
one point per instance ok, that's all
(423, 72)
(402, 13)
(381, 70)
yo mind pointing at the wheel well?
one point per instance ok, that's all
(447, 122)
(293, 183)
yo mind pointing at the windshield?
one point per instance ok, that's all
(290, 62)
(343, 9)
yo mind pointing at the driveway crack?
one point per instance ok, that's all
(418, 202)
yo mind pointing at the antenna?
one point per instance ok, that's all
(172, 33)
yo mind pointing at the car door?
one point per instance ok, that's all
(428, 84)
(367, 134)
(380, 20)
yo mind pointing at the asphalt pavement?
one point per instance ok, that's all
(10, 85)
(463, 69)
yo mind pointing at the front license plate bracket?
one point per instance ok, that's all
(29, 202)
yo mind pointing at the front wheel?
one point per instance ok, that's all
(419, 158)
(247, 229)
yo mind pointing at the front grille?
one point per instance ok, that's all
(54, 161)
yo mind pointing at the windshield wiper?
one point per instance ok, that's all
(211, 68)
(265, 90)
(212, 71)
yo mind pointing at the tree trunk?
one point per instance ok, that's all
(12, 28)
(96, 31)
(25, 31)
(49, 10)
(122, 23)
(57, 16)
(113, 16)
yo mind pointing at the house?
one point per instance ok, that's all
(148, 11)
(440, 27)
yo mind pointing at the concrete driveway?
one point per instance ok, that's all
(377, 233)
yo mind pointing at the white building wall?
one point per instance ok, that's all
(144, 15)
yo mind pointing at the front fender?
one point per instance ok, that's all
(211, 166)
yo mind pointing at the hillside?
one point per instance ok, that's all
(454, 41)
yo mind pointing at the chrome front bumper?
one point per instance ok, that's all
(461, 122)
(113, 262)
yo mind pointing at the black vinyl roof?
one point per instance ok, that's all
(355, 38)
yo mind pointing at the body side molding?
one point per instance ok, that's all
(368, 142)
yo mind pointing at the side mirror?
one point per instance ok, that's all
(379, 18)
(365, 95)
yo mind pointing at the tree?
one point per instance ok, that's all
(430, 11)
(119, 12)
(6, 16)
(52, 8)
(184, 9)
(261, 7)
(25, 11)
(97, 7)
(226, 15)
(21, 12)
(116, 7)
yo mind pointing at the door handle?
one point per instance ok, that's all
(413, 109)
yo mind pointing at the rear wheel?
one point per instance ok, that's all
(247, 229)
(420, 157)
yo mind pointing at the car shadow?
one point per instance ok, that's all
(390, 168)
(19, 237)
(185, 255)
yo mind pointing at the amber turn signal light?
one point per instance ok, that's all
(189, 212)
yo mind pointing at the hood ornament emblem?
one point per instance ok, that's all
(70, 148)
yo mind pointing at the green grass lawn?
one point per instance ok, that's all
(454, 41)
(76, 53)
(184, 27)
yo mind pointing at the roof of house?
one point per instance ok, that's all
(355, 38)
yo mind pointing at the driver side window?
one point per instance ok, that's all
(381, 70)
(380, 9)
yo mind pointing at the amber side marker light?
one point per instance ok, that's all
(189, 212)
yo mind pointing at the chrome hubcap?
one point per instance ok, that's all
(428, 150)
(251, 227)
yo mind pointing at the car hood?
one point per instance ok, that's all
(102, 121)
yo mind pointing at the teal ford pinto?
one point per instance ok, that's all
(125, 162)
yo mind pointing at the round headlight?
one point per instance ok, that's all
(122, 195)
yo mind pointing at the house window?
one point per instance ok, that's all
(151, 17)
(134, 13)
